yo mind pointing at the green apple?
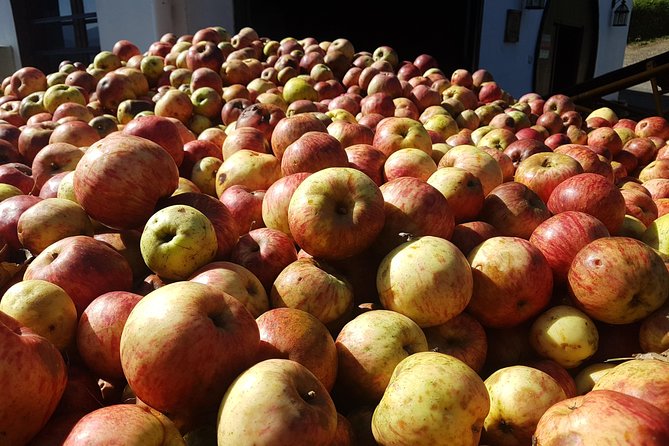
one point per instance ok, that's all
(432, 399)
(657, 235)
(177, 240)
(444, 125)
(368, 349)
(8, 190)
(249, 168)
(107, 61)
(519, 395)
(60, 94)
(564, 334)
(204, 174)
(43, 307)
(297, 88)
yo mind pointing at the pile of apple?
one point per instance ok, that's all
(234, 240)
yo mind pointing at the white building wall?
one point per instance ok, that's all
(10, 59)
(512, 64)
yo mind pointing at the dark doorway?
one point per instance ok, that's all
(566, 56)
(449, 31)
(566, 45)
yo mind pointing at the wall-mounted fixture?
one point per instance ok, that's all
(535, 4)
(621, 13)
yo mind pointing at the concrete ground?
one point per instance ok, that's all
(640, 96)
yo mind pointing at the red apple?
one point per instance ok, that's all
(290, 128)
(513, 282)
(143, 172)
(265, 252)
(244, 206)
(311, 152)
(199, 320)
(160, 130)
(84, 267)
(99, 332)
(35, 375)
(514, 210)
(18, 175)
(276, 200)
(593, 194)
(562, 236)
(413, 208)
(336, 213)
(297, 335)
(618, 280)
(603, 417)
(543, 172)
(367, 159)
(462, 337)
(466, 236)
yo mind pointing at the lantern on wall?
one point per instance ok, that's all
(535, 4)
(620, 14)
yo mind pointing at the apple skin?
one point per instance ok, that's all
(124, 424)
(369, 347)
(311, 152)
(280, 402)
(368, 160)
(456, 407)
(603, 417)
(160, 130)
(542, 172)
(143, 172)
(237, 281)
(316, 287)
(519, 395)
(276, 200)
(462, 337)
(177, 240)
(564, 334)
(427, 279)
(558, 373)
(462, 189)
(52, 159)
(297, 335)
(10, 212)
(640, 205)
(394, 133)
(35, 374)
(218, 214)
(412, 206)
(336, 213)
(84, 267)
(512, 282)
(265, 252)
(186, 335)
(593, 194)
(99, 332)
(654, 331)
(466, 236)
(50, 220)
(514, 210)
(588, 159)
(560, 237)
(618, 280)
(646, 379)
